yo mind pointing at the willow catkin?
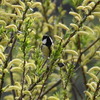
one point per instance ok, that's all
(28, 79)
(3, 22)
(57, 37)
(63, 26)
(88, 94)
(27, 92)
(53, 98)
(2, 56)
(95, 78)
(90, 17)
(14, 61)
(31, 65)
(76, 15)
(94, 68)
(90, 87)
(11, 26)
(14, 87)
(75, 26)
(73, 52)
(16, 69)
(1, 48)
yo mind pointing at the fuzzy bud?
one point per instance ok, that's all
(53, 98)
(63, 26)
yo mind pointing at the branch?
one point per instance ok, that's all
(12, 83)
(85, 51)
(5, 65)
(84, 77)
(48, 90)
(74, 93)
(80, 25)
(96, 91)
(83, 73)
(49, 69)
(91, 45)
(42, 87)
(33, 85)
(12, 79)
(75, 87)
(47, 72)
(7, 59)
(23, 75)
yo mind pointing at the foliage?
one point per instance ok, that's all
(25, 74)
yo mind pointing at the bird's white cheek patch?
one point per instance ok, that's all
(44, 41)
(51, 40)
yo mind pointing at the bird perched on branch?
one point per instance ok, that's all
(47, 42)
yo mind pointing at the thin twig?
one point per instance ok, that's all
(84, 77)
(11, 39)
(66, 84)
(38, 98)
(74, 85)
(46, 73)
(96, 91)
(91, 45)
(74, 93)
(23, 77)
(79, 61)
(49, 89)
(33, 85)
(5, 65)
(83, 73)
(12, 83)
(12, 80)
(49, 69)
(85, 51)
(44, 63)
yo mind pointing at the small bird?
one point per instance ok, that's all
(47, 42)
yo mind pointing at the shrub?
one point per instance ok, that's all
(26, 74)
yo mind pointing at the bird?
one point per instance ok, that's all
(47, 43)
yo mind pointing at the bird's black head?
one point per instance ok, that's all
(46, 40)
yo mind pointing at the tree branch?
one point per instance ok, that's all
(80, 25)
(49, 89)
(96, 91)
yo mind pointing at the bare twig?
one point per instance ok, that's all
(75, 87)
(12, 79)
(38, 98)
(91, 45)
(96, 91)
(83, 73)
(5, 65)
(85, 51)
(33, 85)
(49, 89)
(12, 83)
(47, 76)
(23, 76)
(44, 63)
(74, 93)
(84, 77)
